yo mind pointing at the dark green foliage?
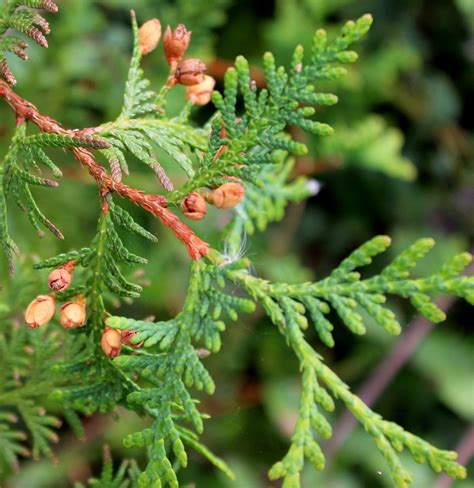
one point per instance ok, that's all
(125, 476)
(27, 428)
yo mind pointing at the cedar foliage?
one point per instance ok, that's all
(162, 367)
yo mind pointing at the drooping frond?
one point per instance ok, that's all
(22, 168)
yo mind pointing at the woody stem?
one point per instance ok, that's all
(154, 204)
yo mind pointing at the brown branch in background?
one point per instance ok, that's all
(370, 391)
(154, 204)
(465, 450)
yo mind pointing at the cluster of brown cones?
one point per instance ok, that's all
(187, 72)
(73, 314)
(42, 309)
(228, 195)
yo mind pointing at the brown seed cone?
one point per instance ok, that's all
(6, 73)
(194, 206)
(111, 342)
(176, 43)
(200, 94)
(40, 311)
(149, 36)
(190, 72)
(227, 195)
(59, 279)
(126, 336)
(73, 314)
(50, 6)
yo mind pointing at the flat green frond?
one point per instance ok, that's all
(252, 136)
(289, 306)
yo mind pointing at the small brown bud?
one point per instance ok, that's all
(59, 279)
(149, 36)
(190, 72)
(200, 94)
(194, 206)
(227, 195)
(175, 43)
(111, 342)
(73, 314)
(126, 336)
(40, 311)
(6, 73)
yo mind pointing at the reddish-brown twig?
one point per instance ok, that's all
(154, 204)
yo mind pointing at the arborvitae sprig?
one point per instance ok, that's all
(143, 131)
(160, 362)
(174, 357)
(21, 16)
(27, 428)
(99, 385)
(252, 136)
(138, 99)
(22, 167)
(289, 307)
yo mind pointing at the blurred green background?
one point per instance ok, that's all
(400, 163)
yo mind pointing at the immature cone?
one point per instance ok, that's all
(227, 195)
(111, 342)
(194, 206)
(40, 311)
(73, 314)
(175, 43)
(200, 94)
(126, 336)
(149, 36)
(190, 72)
(59, 279)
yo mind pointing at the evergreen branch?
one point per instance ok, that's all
(154, 204)
(26, 429)
(241, 143)
(287, 307)
(21, 16)
(178, 362)
(101, 386)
